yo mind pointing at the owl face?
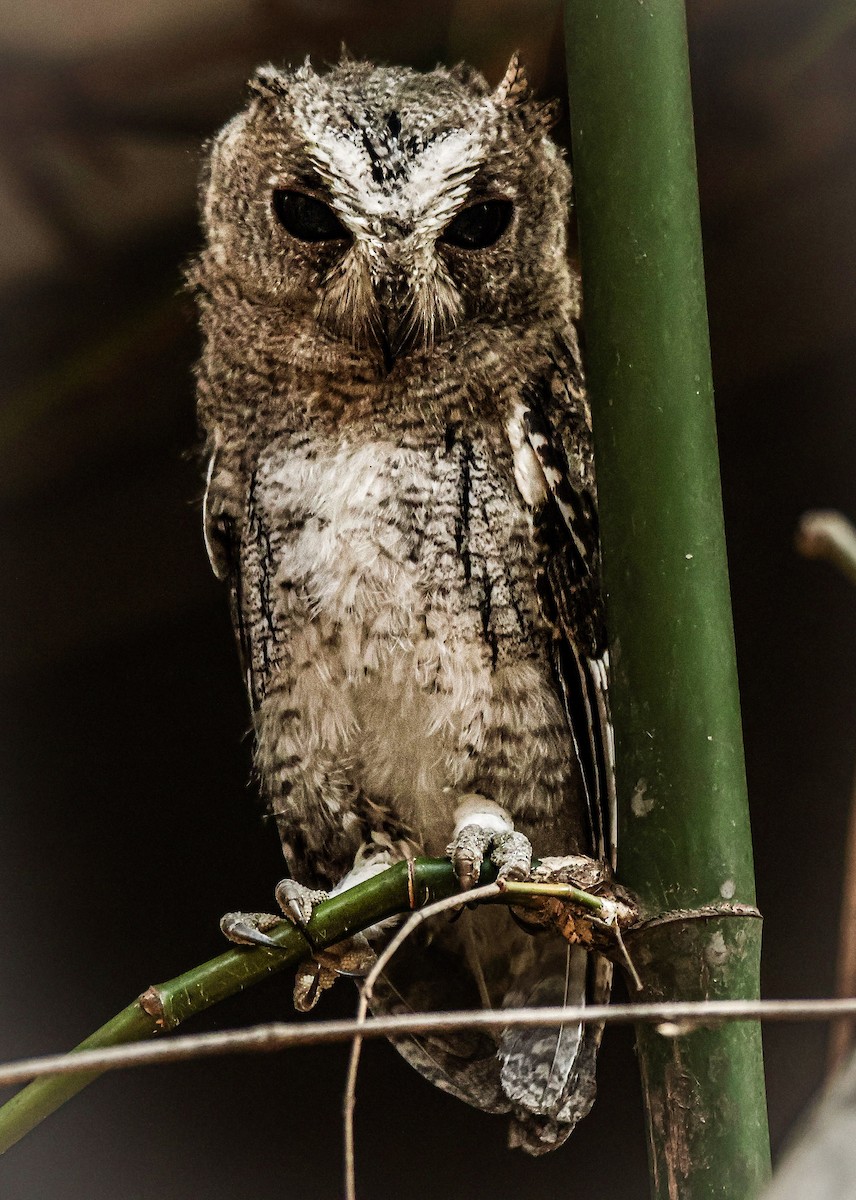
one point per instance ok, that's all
(388, 208)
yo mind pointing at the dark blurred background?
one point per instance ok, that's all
(128, 824)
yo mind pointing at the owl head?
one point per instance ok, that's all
(386, 207)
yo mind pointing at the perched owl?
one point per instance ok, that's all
(401, 499)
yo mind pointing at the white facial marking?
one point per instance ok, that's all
(395, 216)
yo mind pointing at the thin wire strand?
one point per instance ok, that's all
(676, 1018)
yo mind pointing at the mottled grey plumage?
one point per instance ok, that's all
(401, 498)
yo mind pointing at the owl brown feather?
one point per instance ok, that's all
(401, 499)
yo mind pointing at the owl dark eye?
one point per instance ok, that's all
(307, 219)
(478, 226)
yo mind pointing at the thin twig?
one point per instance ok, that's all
(628, 961)
(366, 992)
(556, 891)
(829, 535)
(677, 1017)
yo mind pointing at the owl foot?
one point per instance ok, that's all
(484, 830)
(297, 903)
(353, 956)
(248, 929)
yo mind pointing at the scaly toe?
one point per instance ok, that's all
(297, 901)
(467, 853)
(310, 981)
(511, 854)
(353, 956)
(247, 928)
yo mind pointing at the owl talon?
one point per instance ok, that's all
(246, 929)
(467, 853)
(297, 901)
(510, 853)
(353, 956)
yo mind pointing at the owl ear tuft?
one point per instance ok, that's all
(269, 83)
(514, 86)
(345, 55)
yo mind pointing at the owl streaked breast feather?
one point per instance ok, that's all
(401, 498)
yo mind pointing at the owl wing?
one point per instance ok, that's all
(555, 423)
(549, 1076)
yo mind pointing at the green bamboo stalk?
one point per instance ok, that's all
(164, 1006)
(684, 831)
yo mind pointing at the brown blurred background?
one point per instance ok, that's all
(128, 825)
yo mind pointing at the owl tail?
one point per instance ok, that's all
(548, 1075)
(543, 1077)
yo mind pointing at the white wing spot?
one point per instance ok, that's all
(528, 474)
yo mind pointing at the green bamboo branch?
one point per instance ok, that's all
(403, 888)
(561, 891)
(165, 1006)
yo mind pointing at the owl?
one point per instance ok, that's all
(401, 500)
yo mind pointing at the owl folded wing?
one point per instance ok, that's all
(555, 425)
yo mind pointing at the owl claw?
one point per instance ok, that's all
(297, 901)
(467, 853)
(353, 956)
(510, 853)
(246, 928)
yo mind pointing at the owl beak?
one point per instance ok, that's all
(394, 338)
(384, 342)
(395, 332)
